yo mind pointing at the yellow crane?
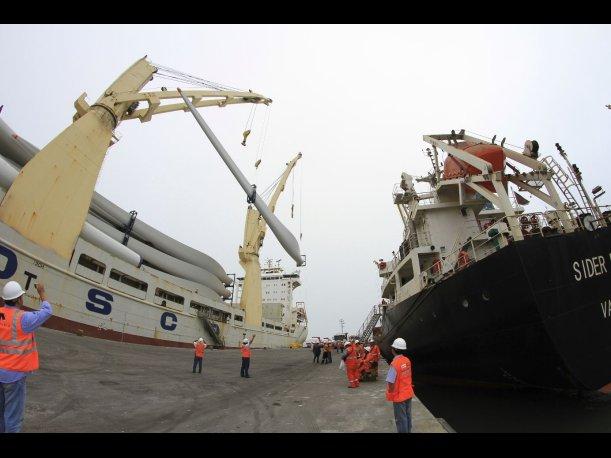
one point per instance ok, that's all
(254, 233)
(63, 174)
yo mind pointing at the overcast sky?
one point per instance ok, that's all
(355, 100)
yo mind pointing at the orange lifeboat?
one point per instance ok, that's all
(455, 168)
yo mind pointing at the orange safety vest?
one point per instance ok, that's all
(245, 351)
(199, 349)
(402, 388)
(17, 349)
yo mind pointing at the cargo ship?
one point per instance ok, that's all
(487, 293)
(108, 274)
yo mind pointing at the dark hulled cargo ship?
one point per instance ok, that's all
(484, 292)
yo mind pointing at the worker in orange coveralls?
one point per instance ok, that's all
(352, 364)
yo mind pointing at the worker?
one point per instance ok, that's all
(352, 365)
(463, 258)
(364, 366)
(360, 351)
(18, 351)
(329, 360)
(316, 351)
(399, 389)
(245, 350)
(375, 357)
(375, 350)
(200, 347)
(437, 266)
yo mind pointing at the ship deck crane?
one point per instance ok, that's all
(63, 174)
(254, 233)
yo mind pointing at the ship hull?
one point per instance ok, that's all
(92, 308)
(536, 313)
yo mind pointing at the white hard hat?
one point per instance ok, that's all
(399, 344)
(245, 341)
(201, 339)
(368, 348)
(12, 290)
(357, 341)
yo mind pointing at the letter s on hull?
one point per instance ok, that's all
(98, 304)
(577, 271)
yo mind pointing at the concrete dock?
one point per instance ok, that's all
(93, 385)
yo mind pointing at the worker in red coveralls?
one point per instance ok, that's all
(352, 365)
(375, 357)
(368, 368)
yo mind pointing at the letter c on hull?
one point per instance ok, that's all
(164, 321)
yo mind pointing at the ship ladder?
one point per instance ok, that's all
(564, 183)
(369, 323)
(218, 340)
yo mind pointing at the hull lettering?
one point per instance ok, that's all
(100, 302)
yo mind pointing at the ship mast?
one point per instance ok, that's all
(254, 233)
(50, 198)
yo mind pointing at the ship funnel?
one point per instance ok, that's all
(284, 236)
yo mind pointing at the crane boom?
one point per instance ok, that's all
(254, 233)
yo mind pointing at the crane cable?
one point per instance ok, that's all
(263, 137)
(300, 200)
(249, 122)
(292, 194)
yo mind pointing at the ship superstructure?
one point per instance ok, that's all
(483, 290)
(279, 311)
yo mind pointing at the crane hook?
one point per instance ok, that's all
(245, 134)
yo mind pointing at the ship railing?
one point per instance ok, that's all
(487, 242)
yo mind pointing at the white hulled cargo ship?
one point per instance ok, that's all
(109, 274)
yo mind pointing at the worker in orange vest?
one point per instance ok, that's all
(352, 364)
(399, 389)
(18, 351)
(200, 347)
(245, 350)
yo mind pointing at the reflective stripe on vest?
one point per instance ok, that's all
(402, 388)
(245, 351)
(17, 349)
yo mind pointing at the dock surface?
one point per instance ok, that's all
(94, 385)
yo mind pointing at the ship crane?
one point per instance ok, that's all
(254, 233)
(63, 174)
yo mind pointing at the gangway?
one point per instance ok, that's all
(369, 323)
